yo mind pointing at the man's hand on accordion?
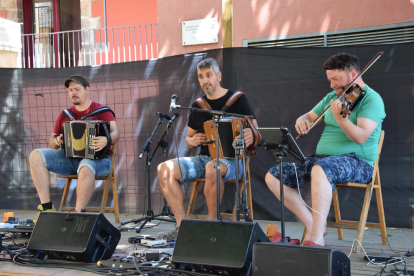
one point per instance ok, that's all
(248, 136)
(59, 140)
(98, 143)
(198, 138)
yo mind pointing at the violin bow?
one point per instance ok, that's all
(373, 60)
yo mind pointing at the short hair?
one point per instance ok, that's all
(343, 61)
(209, 63)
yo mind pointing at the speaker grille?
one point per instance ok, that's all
(271, 259)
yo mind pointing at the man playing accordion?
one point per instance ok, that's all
(175, 172)
(53, 159)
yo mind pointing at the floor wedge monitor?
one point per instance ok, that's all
(293, 260)
(217, 246)
(87, 237)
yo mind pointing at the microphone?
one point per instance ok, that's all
(174, 98)
(173, 118)
(162, 115)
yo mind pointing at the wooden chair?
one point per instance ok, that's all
(111, 177)
(233, 216)
(362, 223)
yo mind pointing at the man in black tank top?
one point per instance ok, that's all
(174, 173)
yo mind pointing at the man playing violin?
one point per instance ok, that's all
(346, 150)
(173, 173)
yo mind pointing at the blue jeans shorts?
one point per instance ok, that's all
(195, 167)
(338, 168)
(56, 161)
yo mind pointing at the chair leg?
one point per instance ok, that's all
(115, 196)
(65, 194)
(193, 198)
(105, 196)
(381, 216)
(249, 197)
(234, 216)
(337, 210)
(363, 218)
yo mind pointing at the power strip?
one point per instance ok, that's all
(379, 257)
(152, 243)
(117, 263)
(143, 252)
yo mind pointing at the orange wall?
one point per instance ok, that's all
(127, 13)
(3, 14)
(269, 18)
(288, 17)
(170, 15)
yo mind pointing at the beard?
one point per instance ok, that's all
(76, 101)
(209, 89)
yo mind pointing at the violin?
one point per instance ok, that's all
(349, 97)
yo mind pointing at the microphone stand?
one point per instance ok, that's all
(239, 145)
(147, 148)
(216, 117)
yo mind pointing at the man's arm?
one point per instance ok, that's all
(55, 141)
(358, 133)
(193, 139)
(303, 122)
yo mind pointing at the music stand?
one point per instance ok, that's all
(282, 145)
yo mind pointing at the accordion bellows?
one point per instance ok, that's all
(78, 135)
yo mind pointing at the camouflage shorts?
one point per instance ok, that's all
(338, 168)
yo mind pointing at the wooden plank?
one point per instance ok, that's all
(227, 31)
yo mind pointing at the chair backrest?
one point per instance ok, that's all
(380, 142)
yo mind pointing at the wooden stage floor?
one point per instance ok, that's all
(400, 240)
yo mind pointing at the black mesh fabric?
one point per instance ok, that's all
(281, 85)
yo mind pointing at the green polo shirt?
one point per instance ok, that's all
(334, 141)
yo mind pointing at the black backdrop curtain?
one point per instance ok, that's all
(281, 85)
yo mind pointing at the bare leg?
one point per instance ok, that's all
(40, 176)
(210, 187)
(292, 201)
(169, 174)
(84, 190)
(321, 202)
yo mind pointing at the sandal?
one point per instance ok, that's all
(278, 237)
(170, 236)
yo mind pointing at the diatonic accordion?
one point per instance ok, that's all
(78, 135)
(229, 128)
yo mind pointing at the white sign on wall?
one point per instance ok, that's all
(200, 31)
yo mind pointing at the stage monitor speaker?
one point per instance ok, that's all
(294, 260)
(212, 246)
(87, 237)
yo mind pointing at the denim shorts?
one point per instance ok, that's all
(195, 167)
(338, 168)
(56, 161)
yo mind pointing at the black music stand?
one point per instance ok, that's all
(282, 145)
